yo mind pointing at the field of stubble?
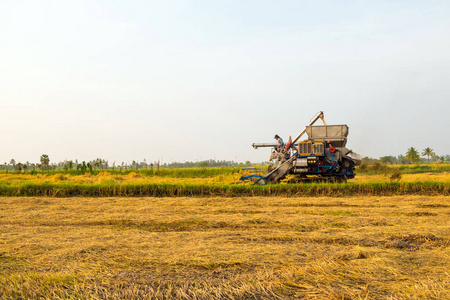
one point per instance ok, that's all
(225, 248)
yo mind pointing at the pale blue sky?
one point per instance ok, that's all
(194, 80)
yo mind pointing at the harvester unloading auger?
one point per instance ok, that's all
(323, 156)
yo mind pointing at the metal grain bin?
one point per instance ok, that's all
(337, 134)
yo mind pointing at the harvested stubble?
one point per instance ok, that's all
(216, 248)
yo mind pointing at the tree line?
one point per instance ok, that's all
(44, 164)
(412, 156)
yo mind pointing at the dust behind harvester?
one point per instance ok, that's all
(323, 156)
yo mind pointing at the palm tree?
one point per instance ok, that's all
(428, 152)
(440, 159)
(97, 163)
(13, 163)
(45, 160)
(412, 155)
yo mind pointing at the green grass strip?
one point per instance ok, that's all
(192, 190)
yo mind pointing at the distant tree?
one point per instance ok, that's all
(97, 163)
(13, 163)
(428, 152)
(369, 160)
(401, 159)
(388, 159)
(412, 155)
(203, 164)
(45, 160)
(65, 165)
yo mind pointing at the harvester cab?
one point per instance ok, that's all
(323, 156)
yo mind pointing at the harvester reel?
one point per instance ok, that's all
(248, 175)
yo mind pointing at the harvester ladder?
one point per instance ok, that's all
(278, 173)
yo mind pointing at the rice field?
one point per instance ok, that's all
(196, 234)
(358, 247)
(107, 184)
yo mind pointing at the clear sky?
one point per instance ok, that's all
(195, 80)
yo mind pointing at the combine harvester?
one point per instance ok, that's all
(322, 157)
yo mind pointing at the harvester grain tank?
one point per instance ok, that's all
(322, 156)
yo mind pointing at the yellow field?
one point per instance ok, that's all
(137, 178)
(434, 177)
(108, 178)
(203, 248)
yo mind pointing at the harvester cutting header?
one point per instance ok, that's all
(322, 156)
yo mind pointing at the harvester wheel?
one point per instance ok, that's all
(340, 179)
